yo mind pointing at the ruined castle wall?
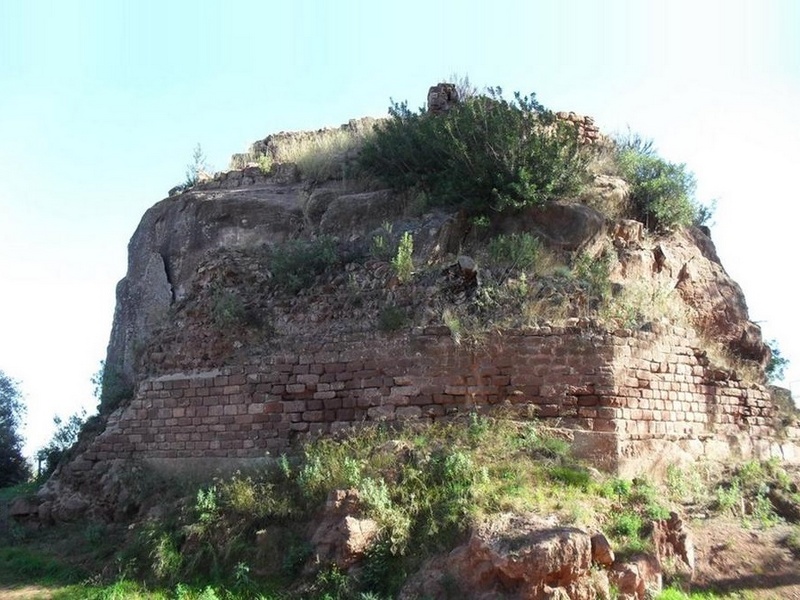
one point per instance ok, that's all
(618, 395)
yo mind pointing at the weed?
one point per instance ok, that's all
(392, 318)
(296, 264)
(515, 251)
(402, 262)
(594, 272)
(792, 540)
(265, 164)
(381, 244)
(227, 307)
(166, 557)
(321, 155)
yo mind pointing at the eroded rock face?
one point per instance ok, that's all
(673, 544)
(515, 556)
(687, 261)
(442, 97)
(343, 535)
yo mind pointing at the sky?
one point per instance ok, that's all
(102, 103)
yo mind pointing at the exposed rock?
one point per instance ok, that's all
(24, 508)
(602, 554)
(442, 97)
(627, 233)
(514, 556)
(359, 213)
(638, 578)
(565, 225)
(342, 537)
(673, 544)
(687, 261)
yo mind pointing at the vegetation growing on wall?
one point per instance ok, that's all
(486, 154)
(662, 192)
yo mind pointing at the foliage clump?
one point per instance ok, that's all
(297, 263)
(485, 154)
(13, 466)
(662, 192)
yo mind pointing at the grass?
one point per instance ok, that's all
(425, 486)
(320, 155)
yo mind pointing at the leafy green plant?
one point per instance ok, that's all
(296, 264)
(485, 154)
(626, 524)
(515, 251)
(403, 262)
(265, 164)
(662, 192)
(776, 367)
(594, 272)
(392, 318)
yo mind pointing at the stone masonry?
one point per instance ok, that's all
(614, 394)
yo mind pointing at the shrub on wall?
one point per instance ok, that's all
(111, 387)
(485, 154)
(296, 264)
(662, 192)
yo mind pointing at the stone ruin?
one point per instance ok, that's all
(629, 400)
(442, 97)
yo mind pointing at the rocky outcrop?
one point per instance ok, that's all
(342, 535)
(528, 557)
(687, 262)
(442, 97)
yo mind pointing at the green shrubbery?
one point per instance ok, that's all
(297, 263)
(515, 251)
(485, 154)
(662, 193)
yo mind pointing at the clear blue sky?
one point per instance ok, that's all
(101, 104)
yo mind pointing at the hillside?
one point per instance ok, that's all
(402, 298)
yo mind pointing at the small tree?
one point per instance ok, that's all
(662, 192)
(197, 166)
(13, 466)
(776, 367)
(65, 436)
(485, 154)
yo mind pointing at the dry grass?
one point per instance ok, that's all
(644, 302)
(320, 155)
(720, 356)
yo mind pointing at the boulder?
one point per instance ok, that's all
(514, 556)
(359, 213)
(673, 544)
(602, 554)
(24, 508)
(637, 578)
(442, 97)
(342, 536)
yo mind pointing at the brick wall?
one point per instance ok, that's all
(616, 392)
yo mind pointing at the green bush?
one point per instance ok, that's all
(517, 251)
(297, 263)
(662, 192)
(402, 262)
(485, 154)
(111, 387)
(392, 318)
